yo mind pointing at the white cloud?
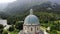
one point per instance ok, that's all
(6, 1)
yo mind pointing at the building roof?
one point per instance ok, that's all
(3, 22)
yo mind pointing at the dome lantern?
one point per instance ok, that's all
(31, 11)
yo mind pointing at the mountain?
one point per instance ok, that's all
(3, 6)
(55, 1)
(20, 8)
(48, 7)
(22, 5)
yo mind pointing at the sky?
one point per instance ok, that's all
(6, 1)
(9, 1)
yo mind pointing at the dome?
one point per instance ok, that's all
(31, 19)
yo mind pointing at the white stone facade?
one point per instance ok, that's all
(31, 28)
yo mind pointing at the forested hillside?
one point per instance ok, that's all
(47, 12)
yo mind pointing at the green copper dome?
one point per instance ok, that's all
(31, 19)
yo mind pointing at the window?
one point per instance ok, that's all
(25, 27)
(37, 28)
(31, 29)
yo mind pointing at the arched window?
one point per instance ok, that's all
(37, 28)
(25, 28)
(31, 29)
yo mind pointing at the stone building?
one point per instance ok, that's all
(3, 22)
(31, 25)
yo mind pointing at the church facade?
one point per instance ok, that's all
(31, 25)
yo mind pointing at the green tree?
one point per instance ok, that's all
(53, 32)
(4, 32)
(19, 25)
(1, 28)
(11, 20)
(11, 28)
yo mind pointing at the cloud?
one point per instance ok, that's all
(6, 1)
